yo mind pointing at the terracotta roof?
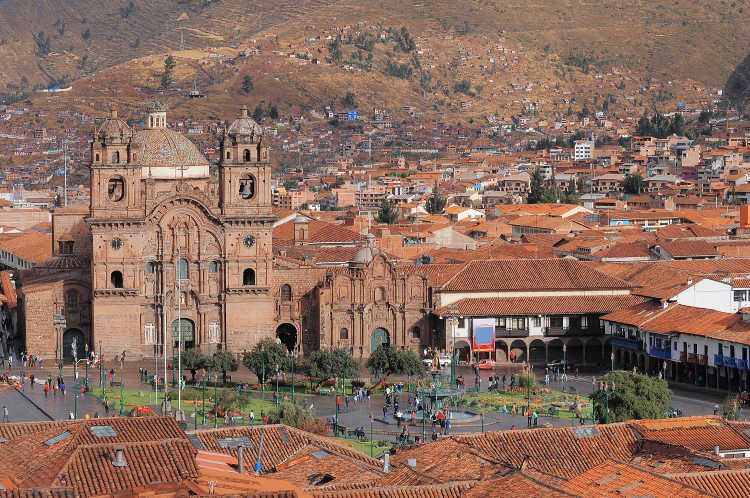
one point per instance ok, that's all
(541, 305)
(540, 274)
(318, 232)
(450, 490)
(687, 230)
(437, 274)
(725, 483)
(696, 433)
(619, 479)
(30, 245)
(689, 248)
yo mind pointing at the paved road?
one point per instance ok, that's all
(20, 409)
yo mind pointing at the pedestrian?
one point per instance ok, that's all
(505, 382)
(5, 414)
(546, 379)
(346, 402)
(46, 389)
(385, 413)
(534, 417)
(447, 426)
(31, 380)
(252, 417)
(528, 418)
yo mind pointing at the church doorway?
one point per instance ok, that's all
(186, 327)
(287, 334)
(73, 340)
(379, 336)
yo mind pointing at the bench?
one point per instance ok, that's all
(339, 429)
(356, 433)
(237, 418)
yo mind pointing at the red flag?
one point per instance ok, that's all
(338, 400)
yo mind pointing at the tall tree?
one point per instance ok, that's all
(223, 361)
(265, 357)
(166, 75)
(387, 213)
(536, 190)
(633, 184)
(634, 396)
(436, 203)
(193, 359)
(247, 84)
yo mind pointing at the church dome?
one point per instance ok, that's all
(245, 127)
(113, 127)
(165, 147)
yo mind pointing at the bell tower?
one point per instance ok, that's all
(244, 169)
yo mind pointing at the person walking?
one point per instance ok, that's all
(385, 413)
(252, 417)
(5, 414)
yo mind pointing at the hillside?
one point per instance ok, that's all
(468, 59)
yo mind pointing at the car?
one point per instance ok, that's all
(559, 365)
(445, 360)
(485, 364)
(427, 361)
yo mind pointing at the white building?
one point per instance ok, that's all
(583, 150)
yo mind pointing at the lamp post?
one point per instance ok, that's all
(122, 397)
(205, 381)
(612, 360)
(86, 382)
(664, 370)
(262, 370)
(277, 384)
(216, 403)
(565, 368)
(453, 320)
(294, 361)
(370, 434)
(603, 386)
(528, 386)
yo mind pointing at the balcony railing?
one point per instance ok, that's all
(663, 353)
(623, 342)
(501, 333)
(695, 358)
(572, 331)
(728, 361)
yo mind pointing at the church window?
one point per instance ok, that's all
(116, 279)
(116, 189)
(379, 294)
(416, 333)
(286, 293)
(213, 267)
(96, 157)
(182, 269)
(116, 243)
(65, 247)
(213, 333)
(248, 277)
(149, 334)
(344, 333)
(71, 301)
(247, 187)
(229, 155)
(247, 156)
(116, 157)
(150, 267)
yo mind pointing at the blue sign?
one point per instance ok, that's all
(352, 115)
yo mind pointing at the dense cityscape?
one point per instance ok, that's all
(331, 253)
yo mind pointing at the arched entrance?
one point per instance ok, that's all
(74, 340)
(379, 336)
(518, 350)
(537, 351)
(594, 353)
(555, 350)
(287, 334)
(463, 351)
(185, 328)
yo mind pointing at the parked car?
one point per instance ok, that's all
(485, 364)
(559, 365)
(445, 360)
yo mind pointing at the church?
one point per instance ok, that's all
(174, 248)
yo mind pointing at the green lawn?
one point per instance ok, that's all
(541, 400)
(364, 446)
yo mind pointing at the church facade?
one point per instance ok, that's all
(172, 248)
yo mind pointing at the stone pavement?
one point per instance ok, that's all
(20, 409)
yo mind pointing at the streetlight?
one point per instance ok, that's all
(277, 384)
(262, 370)
(453, 320)
(664, 370)
(603, 387)
(371, 434)
(565, 368)
(294, 361)
(528, 386)
(612, 360)
(216, 402)
(86, 382)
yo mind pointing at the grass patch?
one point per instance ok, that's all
(364, 446)
(541, 399)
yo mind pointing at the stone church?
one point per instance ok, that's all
(172, 247)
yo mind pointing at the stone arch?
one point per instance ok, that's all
(555, 350)
(537, 351)
(501, 351)
(115, 279)
(74, 338)
(183, 330)
(594, 352)
(463, 350)
(518, 350)
(287, 334)
(379, 336)
(575, 351)
(248, 276)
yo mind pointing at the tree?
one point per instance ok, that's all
(350, 99)
(386, 213)
(265, 357)
(258, 113)
(193, 359)
(290, 184)
(223, 361)
(86, 34)
(166, 76)
(273, 113)
(537, 188)
(633, 184)
(388, 361)
(247, 84)
(634, 396)
(435, 204)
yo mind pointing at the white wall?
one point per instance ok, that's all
(708, 294)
